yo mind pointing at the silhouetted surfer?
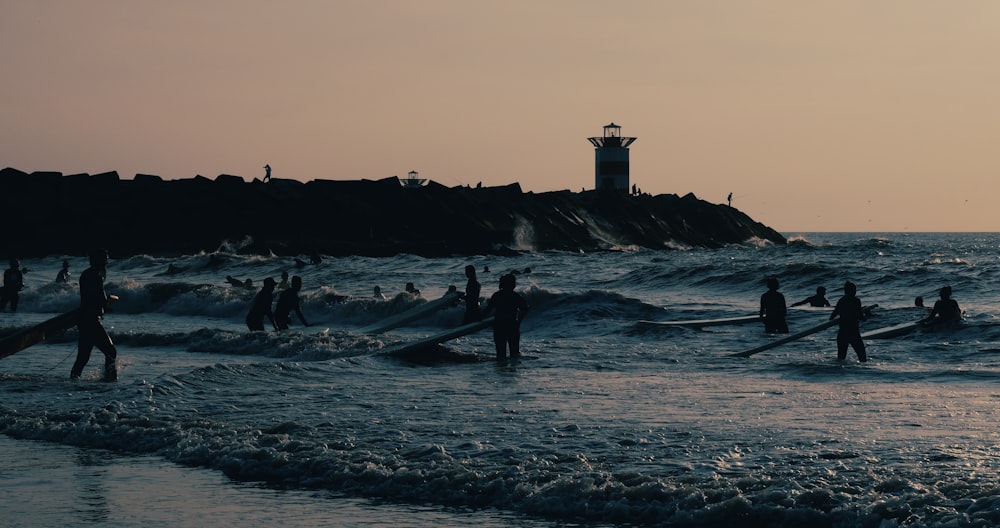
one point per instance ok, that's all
(472, 290)
(63, 275)
(13, 283)
(817, 300)
(262, 307)
(93, 303)
(946, 310)
(851, 314)
(772, 309)
(288, 301)
(510, 308)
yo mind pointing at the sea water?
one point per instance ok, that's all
(604, 422)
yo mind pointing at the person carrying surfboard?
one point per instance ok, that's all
(773, 309)
(510, 308)
(851, 314)
(93, 303)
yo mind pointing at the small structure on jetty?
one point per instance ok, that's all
(413, 180)
(611, 159)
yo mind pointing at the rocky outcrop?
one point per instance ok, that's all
(47, 213)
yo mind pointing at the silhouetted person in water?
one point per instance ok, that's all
(63, 275)
(267, 173)
(412, 290)
(289, 300)
(472, 290)
(261, 307)
(817, 300)
(284, 281)
(379, 296)
(93, 303)
(772, 309)
(13, 283)
(851, 314)
(946, 310)
(510, 308)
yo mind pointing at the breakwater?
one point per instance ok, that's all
(48, 213)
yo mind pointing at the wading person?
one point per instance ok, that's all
(510, 308)
(93, 303)
(851, 314)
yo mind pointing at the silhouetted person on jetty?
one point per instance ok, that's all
(267, 173)
(773, 309)
(13, 283)
(93, 303)
(730, 199)
(510, 308)
(63, 276)
(472, 290)
(817, 300)
(851, 314)
(261, 307)
(946, 311)
(288, 301)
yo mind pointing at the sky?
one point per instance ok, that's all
(840, 115)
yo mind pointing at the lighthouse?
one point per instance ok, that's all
(611, 159)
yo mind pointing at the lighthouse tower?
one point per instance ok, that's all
(611, 159)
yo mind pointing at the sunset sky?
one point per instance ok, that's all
(838, 115)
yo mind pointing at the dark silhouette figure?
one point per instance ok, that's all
(472, 290)
(946, 310)
(248, 284)
(919, 302)
(262, 307)
(13, 283)
(730, 199)
(267, 173)
(379, 296)
(284, 281)
(851, 314)
(412, 290)
(510, 309)
(93, 303)
(63, 275)
(817, 300)
(772, 309)
(289, 300)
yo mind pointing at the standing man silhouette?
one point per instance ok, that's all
(93, 302)
(267, 173)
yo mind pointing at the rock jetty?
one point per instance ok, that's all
(48, 213)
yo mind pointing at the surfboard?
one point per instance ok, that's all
(437, 339)
(698, 323)
(412, 314)
(892, 331)
(23, 339)
(796, 336)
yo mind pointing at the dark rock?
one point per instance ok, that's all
(70, 214)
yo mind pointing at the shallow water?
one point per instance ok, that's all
(606, 421)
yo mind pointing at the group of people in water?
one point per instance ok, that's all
(850, 313)
(506, 305)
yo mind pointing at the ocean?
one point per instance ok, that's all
(604, 422)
